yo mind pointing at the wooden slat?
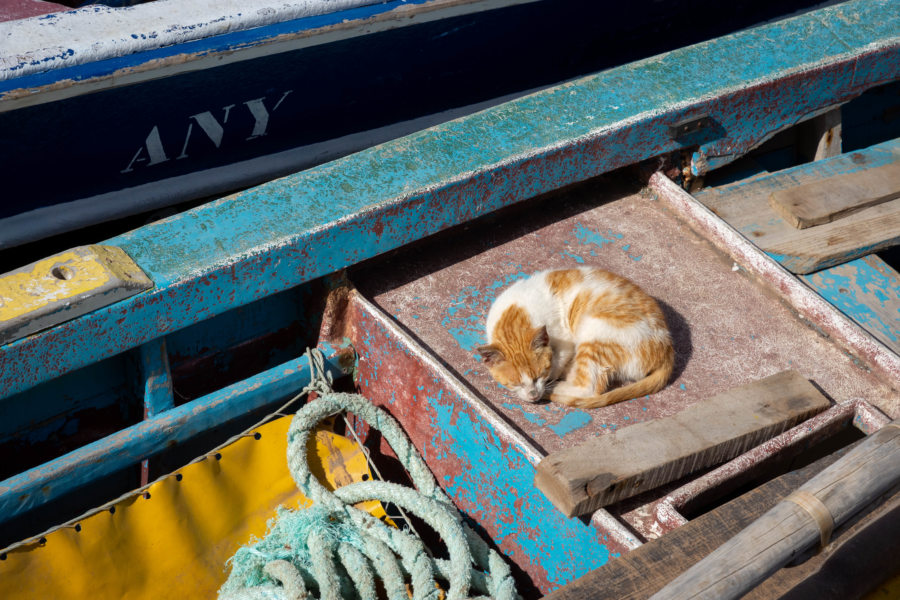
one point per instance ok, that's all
(611, 467)
(868, 291)
(857, 479)
(836, 197)
(865, 548)
(745, 206)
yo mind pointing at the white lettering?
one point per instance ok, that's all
(261, 115)
(153, 146)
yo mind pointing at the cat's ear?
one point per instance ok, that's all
(490, 354)
(541, 338)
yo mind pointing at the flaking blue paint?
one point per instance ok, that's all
(464, 318)
(566, 548)
(276, 236)
(868, 291)
(531, 417)
(571, 421)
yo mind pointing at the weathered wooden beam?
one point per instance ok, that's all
(803, 519)
(830, 199)
(619, 465)
(745, 206)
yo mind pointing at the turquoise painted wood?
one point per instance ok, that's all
(51, 480)
(267, 239)
(157, 378)
(868, 291)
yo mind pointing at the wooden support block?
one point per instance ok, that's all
(820, 137)
(835, 197)
(619, 465)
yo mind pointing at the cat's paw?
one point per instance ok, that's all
(563, 399)
(564, 388)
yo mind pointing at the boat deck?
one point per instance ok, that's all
(728, 329)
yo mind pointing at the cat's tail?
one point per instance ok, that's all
(652, 383)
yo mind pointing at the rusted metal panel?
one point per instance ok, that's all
(483, 463)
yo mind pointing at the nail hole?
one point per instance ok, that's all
(365, 477)
(3, 556)
(146, 495)
(178, 476)
(218, 456)
(42, 541)
(112, 510)
(78, 527)
(62, 272)
(257, 435)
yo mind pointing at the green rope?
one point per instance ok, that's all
(333, 550)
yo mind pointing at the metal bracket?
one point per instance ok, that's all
(687, 126)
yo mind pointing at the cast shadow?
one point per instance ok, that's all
(681, 337)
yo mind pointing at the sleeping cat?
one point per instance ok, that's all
(592, 326)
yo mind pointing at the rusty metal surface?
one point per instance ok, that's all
(485, 465)
(728, 329)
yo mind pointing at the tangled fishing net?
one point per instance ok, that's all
(333, 550)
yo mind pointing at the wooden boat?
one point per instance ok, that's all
(397, 251)
(168, 102)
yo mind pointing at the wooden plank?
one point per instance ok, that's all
(745, 206)
(629, 461)
(836, 197)
(868, 291)
(863, 548)
(859, 478)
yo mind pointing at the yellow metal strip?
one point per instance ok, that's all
(62, 287)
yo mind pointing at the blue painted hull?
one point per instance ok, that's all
(243, 284)
(180, 134)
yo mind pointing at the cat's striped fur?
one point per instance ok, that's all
(590, 326)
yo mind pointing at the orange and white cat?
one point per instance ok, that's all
(591, 326)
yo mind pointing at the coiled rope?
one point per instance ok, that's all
(339, 551)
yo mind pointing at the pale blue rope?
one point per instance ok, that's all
(341, 539)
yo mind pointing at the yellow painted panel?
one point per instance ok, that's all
(174, 544)
(65, 276)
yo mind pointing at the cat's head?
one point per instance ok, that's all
(521, 363)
